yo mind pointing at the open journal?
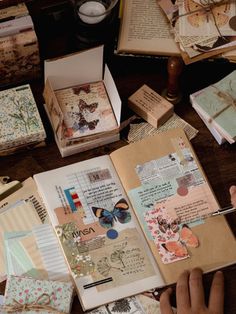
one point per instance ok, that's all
(144, 29)
(135, 219)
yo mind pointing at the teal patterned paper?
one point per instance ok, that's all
(217, 104)
(20, 122)
(21, 291)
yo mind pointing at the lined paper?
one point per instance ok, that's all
(51, 253)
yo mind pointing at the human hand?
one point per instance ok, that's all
(190, 295)
(232, 192)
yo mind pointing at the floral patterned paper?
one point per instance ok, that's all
(28, 290)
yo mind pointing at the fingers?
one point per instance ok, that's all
(232, 192)
(196, 289)
(165, 305)
(182, 291)
(216, 299)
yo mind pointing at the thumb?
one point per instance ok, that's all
(232, 192)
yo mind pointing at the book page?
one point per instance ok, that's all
(144, 29)
(159, 174)
(104, 246)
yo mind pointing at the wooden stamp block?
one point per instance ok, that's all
(151, 106)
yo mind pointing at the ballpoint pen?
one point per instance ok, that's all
(219, 212)
(224, 211)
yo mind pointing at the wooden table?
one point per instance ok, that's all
(130, 73)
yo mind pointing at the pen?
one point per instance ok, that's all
(219, 212)
(224, 211)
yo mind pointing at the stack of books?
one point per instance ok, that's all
(216, 105)
(20, 123)
(19, 51)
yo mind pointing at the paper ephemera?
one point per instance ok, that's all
(198, 19)
(201, 27)
(139, 304)
(97, 229)
(216, 105)
(141, 130)
(173, 194)
(104, 262)
(87, 110)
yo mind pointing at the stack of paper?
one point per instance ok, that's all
(202, 28)
(15, 19)
(20, 60)
(216, 105)
(81, 101)
(20, 122)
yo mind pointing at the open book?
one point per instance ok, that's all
(145, 29)
(135, 219)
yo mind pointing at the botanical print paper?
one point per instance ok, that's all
(109, 261)
(20, 122)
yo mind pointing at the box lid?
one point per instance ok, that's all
(74, 69)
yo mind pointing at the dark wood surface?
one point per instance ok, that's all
(130, 73)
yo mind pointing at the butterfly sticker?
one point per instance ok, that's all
(186, 239)
(83, 106)
(85, 88)
(199, 13)
(164, 226)
(119, 212)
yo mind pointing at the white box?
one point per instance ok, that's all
(76, 69)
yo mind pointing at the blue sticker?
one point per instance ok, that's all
(112, 234)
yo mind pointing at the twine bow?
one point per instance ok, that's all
(39, 304)
(227, 100)
(206, 6)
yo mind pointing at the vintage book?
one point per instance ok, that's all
(216, 105)
(7, 3)
(19, 58)
(144, 29)
(13, 12)
(135, 219)
(20, 122)
(15, 26)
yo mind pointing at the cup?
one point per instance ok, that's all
(95, 21)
